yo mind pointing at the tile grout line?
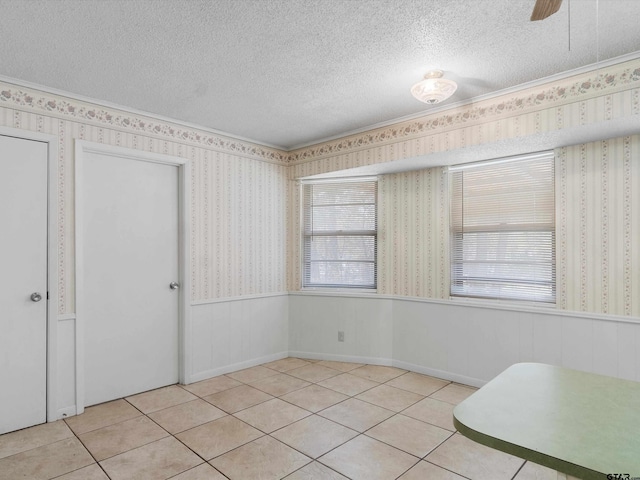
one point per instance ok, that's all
(313, 459)
(518, 471)
(364, 433)
(311, 414)
(444, 468)
(226, 415)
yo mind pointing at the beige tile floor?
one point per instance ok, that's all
(294, 418)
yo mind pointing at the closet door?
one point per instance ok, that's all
(23, 283)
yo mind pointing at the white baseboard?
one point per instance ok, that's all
(387, 362)
(432, 372)
(197, 377)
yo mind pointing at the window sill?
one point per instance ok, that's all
(491, 302)
(337, 290)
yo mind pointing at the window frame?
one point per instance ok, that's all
(305, 261)
(458, 282)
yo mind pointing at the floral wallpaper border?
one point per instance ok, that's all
(20, 97)
(616, 77)
(579, 88)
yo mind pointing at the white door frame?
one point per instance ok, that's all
(52, 260)
(82, 148)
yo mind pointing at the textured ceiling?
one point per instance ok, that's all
(289, 73)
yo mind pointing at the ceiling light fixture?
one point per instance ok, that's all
(434, 88)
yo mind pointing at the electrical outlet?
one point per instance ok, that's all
(341, 336)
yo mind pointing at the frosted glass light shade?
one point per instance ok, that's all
(434, 88)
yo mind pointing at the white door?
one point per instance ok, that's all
(129, 259)
(23, 283)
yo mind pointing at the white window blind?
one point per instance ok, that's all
(340, 234)
(503, 229)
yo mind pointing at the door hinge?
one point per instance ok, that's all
(47, 295)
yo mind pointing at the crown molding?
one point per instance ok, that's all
(29, 96)
(557, 90)
(69, 105)
(480, 98)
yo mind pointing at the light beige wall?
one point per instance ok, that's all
(245, 200)
(413, 239)
(598, 216)
(598, 226)
(597, 229)
(238, 204)
(239, 236)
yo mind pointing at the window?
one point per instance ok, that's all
(340, 233)
(503, 229)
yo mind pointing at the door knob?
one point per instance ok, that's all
(174, 285)
(36, 297)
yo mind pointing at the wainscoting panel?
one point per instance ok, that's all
(237, 333)
(366, 321)
(465, 342)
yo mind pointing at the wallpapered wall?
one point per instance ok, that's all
(597, 229)
(238, 208)
(239, 235)
(598, 226)
(245, 205)
(413, 245)
(597, 189)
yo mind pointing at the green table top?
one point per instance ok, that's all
(578, 423)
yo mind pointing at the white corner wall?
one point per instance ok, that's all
(455, 340)
(460, 341)
(315, 319)
(236, 333)
(226, 335)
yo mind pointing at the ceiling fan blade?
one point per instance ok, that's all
(545, 8)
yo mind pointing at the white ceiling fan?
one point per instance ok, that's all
(545, 8)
